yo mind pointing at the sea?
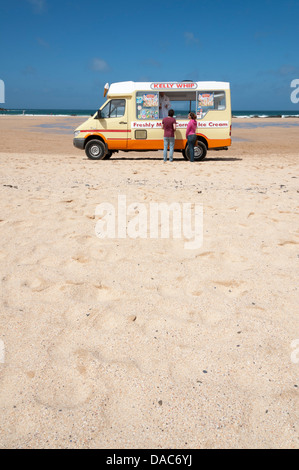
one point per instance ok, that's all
(89, 112)
(47, 112)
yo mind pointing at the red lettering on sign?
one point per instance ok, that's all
(173, 85)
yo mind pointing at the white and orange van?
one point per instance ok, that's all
(131, 118)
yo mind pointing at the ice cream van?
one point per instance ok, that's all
(131, 118)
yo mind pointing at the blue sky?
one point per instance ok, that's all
(59, 54)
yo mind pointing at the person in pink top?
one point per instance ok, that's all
(169, 126)
(191, 134)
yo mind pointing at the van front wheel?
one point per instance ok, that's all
(95, 150)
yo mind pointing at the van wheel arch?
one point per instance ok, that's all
(200, 138)
(94, 137)
(96, 148)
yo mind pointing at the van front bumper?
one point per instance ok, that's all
(79, 143)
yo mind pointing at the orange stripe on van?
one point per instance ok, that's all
(179, 144)
(214, 143)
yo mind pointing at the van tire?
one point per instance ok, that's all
(200, 151)
(184, 154)
(95, 150)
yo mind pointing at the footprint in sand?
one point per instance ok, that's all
(59, 385)
(38, 285)
(49, 261)
(171, 292)
(67, 201)
(109, 320)
(288, 242)
(84, 292)
(196, 293)
(81, 258)
(231, 257)
(82, 239)
(208, 254)
(231, 288)
(267, 249)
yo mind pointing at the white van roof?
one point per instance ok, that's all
(127, 88)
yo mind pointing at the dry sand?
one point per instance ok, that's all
(141, 343)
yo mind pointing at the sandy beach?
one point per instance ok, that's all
(141, 343)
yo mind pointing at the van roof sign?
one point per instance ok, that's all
(174, 86)
(127, 88)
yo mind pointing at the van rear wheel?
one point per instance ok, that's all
(200, 151)
(95, 150)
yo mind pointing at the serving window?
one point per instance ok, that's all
(181, 102)
(155, 105)
(209, 100)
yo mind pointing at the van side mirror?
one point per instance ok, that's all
(99, 114)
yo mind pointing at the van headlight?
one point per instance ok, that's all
(76, 133)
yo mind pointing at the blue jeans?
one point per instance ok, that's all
(191, 142)
(168, 141)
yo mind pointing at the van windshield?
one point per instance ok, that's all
(114, 108)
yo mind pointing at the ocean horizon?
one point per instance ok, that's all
(89, 112)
